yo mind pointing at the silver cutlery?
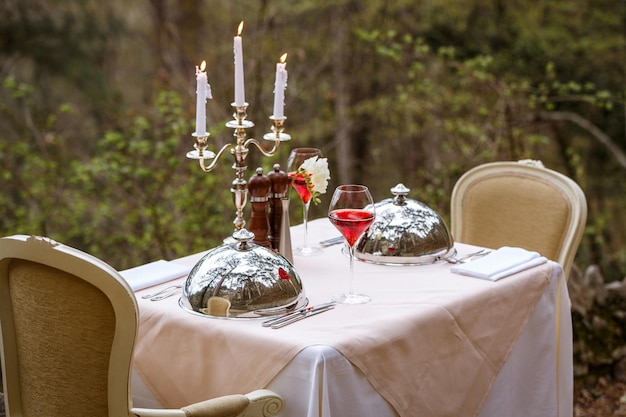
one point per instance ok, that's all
(296, 315)
(162, 294)
(468, 257)
(165, 295)
(268, 323)
(332, 241)
(302, 316)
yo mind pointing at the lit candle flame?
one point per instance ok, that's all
(240, 29)
(283, 58)
(203, 66)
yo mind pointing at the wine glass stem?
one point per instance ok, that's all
(305, 216)
(351, 253)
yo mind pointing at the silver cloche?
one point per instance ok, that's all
(242, 280)
(405, 232)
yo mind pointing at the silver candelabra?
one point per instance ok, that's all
(239, 149)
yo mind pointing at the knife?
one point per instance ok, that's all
(301, 310)
(268, 323)
(332, 241)
(303, 315)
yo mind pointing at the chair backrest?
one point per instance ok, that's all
(68, 324)
(519, 204)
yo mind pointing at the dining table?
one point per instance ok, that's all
(430, 343)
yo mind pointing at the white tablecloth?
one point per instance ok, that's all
(535, 380)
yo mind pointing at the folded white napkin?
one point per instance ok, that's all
(154, 273)
(500, 263)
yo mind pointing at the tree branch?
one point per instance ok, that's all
(589, 127)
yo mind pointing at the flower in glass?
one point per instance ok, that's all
(316, 174)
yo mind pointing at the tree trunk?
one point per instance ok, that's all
(345, 153)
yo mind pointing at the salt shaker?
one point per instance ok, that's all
(280, 234)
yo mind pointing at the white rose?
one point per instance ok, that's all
(320, 174)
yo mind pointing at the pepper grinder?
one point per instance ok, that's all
(280, 182)
(280, 234)
(259, 188)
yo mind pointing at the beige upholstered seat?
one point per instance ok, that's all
(68, 326)
(520, 204)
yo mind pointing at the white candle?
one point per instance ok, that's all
(240, 94)
(202, 90)
(279, 88)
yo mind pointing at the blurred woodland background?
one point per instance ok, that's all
(97, 104)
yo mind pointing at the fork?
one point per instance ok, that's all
(468, 257)
(161, 293)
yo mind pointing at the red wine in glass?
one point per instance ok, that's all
(352, 223)
(298, 183)
(351, 211)
(297, 157)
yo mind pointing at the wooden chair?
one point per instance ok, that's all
(519, 204)
(68, 326)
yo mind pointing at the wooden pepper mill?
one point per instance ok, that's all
(259, 188)
(280, 183)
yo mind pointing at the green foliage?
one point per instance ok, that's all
(137, 200)
(449, 112)
(444, 115)
(598, 335)
(143, 190)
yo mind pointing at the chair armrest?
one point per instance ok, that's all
(264, 403)
(154, 412)
(259, 403)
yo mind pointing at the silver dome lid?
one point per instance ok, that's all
(242, 280)
(405, 232)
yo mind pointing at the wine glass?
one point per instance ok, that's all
(351, 211)
(298, 183)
